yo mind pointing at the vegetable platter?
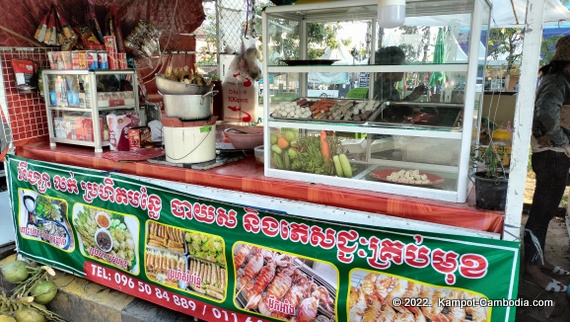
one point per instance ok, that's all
(326, 109)
(318, 154)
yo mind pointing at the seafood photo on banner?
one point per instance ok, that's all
(110, 240)
(44, 218)
(371, 298)
(281, 285)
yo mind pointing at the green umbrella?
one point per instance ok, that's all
(438, 78)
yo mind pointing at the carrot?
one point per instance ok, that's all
(282, 142)
(323, 135)
(325, 149)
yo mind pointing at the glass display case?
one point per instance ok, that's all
(77, 102)
(400, 114)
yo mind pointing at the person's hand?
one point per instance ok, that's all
(417, 92)
(543, 141)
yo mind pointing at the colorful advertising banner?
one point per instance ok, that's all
(226, 262)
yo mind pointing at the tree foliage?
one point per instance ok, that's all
(547, 49)
(506, 41)
(510, 41)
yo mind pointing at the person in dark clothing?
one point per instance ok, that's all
(551, 163)
(384, 85)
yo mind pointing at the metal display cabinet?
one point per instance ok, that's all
(444, 50)
(77, 102)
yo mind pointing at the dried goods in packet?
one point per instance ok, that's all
(144, 40)
(40, 33)
(55, 30)
(51, 33)
(87, 37)
(25, 72)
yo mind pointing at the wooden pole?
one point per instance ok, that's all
(12, 32)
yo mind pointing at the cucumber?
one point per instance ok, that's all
(345, 164)
(337, 166)
(286, 161)
(278, 160)
(275, 148)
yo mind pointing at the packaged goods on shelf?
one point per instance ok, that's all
(106, 99)
(139, 138)
(77, 99)
(110, 44)
(117, 61)
(75, 128)
(86, 59)
(119, 125)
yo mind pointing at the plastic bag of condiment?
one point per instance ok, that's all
(67, 37)
(50, 38)
(40, 33)
(240, 90)
(26, 74)
(144, 40)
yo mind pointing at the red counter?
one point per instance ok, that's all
(247, 176)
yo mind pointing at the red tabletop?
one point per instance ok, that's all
(247, 176)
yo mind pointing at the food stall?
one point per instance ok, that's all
(241, 241)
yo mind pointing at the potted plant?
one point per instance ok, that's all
(491, 177)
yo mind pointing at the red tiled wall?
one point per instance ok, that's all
(27, 112)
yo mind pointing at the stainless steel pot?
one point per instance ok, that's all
(169, 87)
(189, 107)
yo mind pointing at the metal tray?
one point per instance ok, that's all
(312, 101)
(449, 114)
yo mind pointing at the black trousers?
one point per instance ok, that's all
(551, 170)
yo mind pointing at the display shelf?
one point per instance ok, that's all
(433, 134)
(367, 128)
(77, 102)
(458, 67)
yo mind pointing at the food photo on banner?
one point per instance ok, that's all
(216, 260)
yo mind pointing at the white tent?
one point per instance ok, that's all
(507, 13)
(342, 54)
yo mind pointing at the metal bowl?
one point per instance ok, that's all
(169, 87)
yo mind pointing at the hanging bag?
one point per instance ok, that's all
(40, 33)
(51, 33)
